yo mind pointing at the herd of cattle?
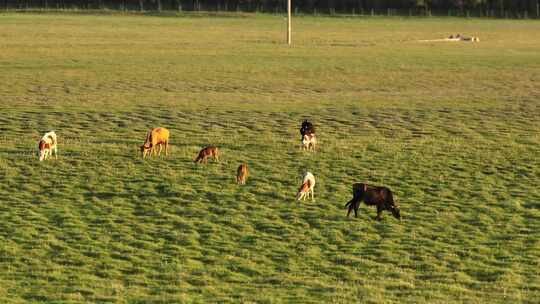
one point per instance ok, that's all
(381, 197)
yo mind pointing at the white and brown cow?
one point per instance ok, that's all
(47, 145)
(309, 142)
(307, 187)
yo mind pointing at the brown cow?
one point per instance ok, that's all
(241, 174)
(157, 136)
(206, 152)
(373, 196)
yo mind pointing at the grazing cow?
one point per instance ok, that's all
(373, 196)
(206, 152)
(307, 128)
(307, 187)
(47, 145)
(241, 174)
(309, 141)
(154, 137)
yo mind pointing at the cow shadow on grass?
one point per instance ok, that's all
(163, 191)
(531, 205)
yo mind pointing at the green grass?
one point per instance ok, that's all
(452, 128)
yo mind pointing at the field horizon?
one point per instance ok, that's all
(452, 128)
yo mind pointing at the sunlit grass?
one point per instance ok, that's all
(452, 129)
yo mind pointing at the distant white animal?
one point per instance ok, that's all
(47, 145)
(308, 186)
(309, 141)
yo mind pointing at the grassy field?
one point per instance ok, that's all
(452, 128)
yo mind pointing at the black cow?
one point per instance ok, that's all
(307, 128)
(373, 196)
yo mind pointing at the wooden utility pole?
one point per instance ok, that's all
(289, 39)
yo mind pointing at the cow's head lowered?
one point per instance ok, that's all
(44, 148)
(145, 148)
(381, 197)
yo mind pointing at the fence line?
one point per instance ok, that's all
(250, 7)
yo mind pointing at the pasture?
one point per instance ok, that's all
(452, 128)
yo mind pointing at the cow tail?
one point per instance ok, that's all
(53, 141)
(349, 203)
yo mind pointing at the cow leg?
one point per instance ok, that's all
(350, 206)
(166, 148)
(379, 213)
(356, 206)
(160, 148)
(55, 152)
